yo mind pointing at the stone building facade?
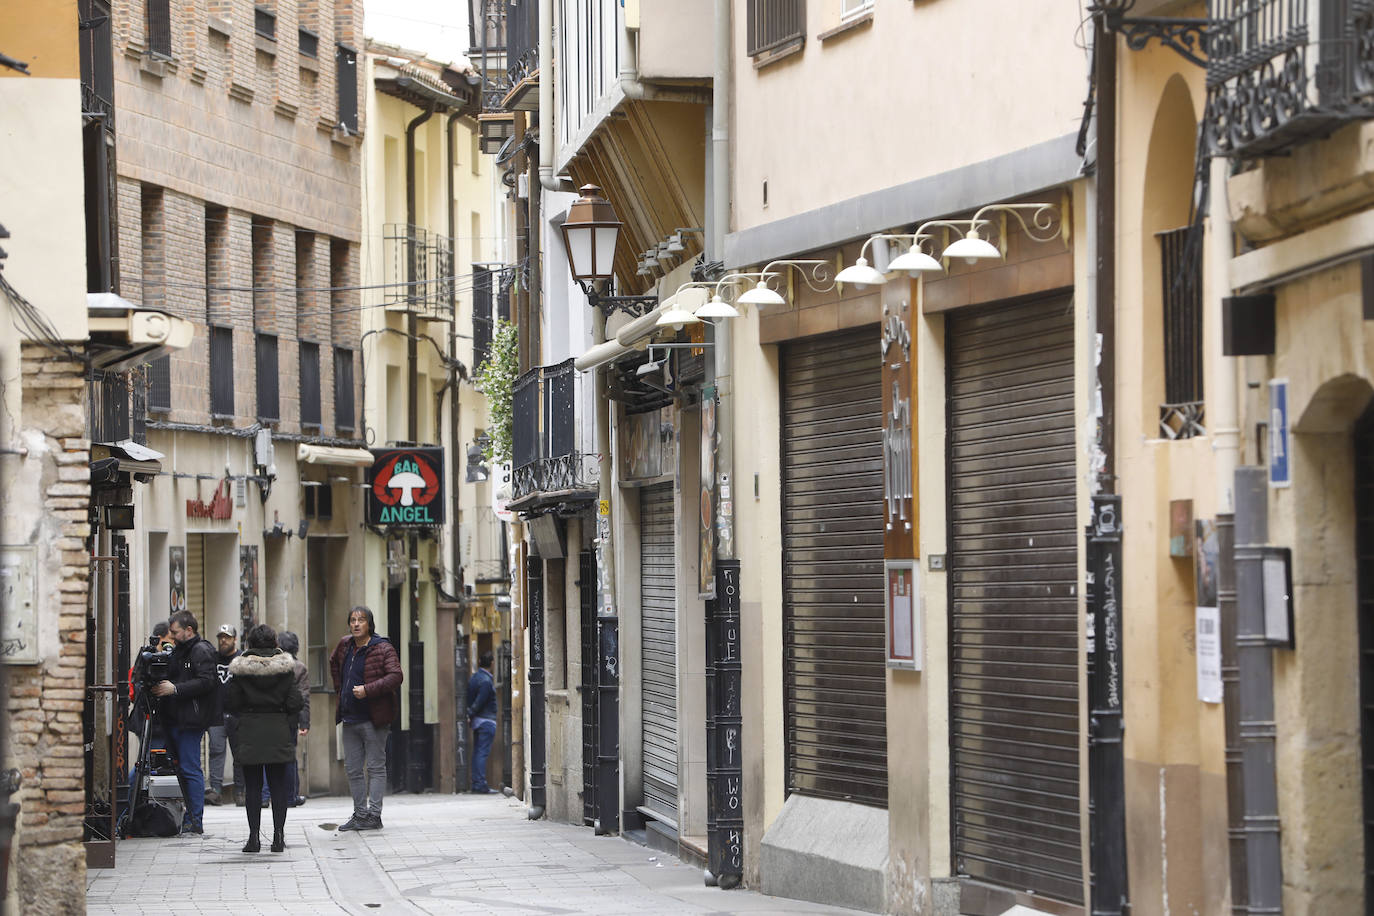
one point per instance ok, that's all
(238, 196)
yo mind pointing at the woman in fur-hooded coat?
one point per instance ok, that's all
(264, 696)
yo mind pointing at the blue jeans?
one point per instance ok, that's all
(185, 743)
(483, 733)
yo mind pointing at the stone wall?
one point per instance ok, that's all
(51, 499)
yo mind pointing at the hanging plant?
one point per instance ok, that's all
(496, 379)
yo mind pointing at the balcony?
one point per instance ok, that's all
(1280, 72)
(548, 469)
(522, 57)
(418, 272)
(485, 556)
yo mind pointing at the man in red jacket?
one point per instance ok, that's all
(367, 675)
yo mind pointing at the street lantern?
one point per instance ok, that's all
(589, 235)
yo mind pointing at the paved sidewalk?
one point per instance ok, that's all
(438, 854)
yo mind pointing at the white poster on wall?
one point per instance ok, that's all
(1208, 629)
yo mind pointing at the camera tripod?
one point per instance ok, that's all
(141, 713)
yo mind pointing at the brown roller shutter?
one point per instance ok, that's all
(195, 578)
(834, 668)
(658, 607)
(1013, 573)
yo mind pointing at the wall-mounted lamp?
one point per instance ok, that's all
(816, 273)
(1038, 221)
(589, 236)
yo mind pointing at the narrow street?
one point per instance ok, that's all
(437, 854)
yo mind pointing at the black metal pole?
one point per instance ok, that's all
(1106, 765)
(724, 730)
(534, 596)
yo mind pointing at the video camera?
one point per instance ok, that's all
(152, 666)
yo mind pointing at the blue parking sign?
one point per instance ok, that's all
(1280, 451)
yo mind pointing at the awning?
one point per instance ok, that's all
(133, 458)
(330, 454)
(637, 330)
(124, 335)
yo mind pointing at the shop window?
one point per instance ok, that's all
(221, 372)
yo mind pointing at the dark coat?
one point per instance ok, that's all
(381, 679)
(263, 695)
(191, 668)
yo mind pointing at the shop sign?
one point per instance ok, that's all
(405, 487)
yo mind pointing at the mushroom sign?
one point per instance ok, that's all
(405, 487)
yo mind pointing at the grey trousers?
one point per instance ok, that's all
(364, 747)
(214, 778)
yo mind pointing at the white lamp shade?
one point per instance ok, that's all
(605, 249)
(916, 261)
(971, 248)
(860, 274)
(762, 294)
(717, 308)
(675, 316)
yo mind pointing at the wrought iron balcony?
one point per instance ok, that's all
(485, 557)
(418, 268)
(1283, 71)
(546, 464)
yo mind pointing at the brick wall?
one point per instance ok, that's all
(45, 700)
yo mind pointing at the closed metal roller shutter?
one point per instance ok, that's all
(195, 577)
(834, 663)
(658, 651)
(1013, 573)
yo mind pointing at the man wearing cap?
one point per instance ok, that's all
(220, 732)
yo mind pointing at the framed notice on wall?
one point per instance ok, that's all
(903, 606)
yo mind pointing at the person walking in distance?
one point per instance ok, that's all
(367, 673)
(482, 715)
(227, 638)
(190, 704)
(291, 644)
(264, 696)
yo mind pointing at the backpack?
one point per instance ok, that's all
(153, 818)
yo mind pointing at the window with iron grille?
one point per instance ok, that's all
(269, 398)
(343, 389)
(160, 385)
(222, 372)
(160, 27)
(265, 22)
(346, 69)
(310, 384)
(1180, 255)
(773, 23)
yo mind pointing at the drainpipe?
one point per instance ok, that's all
(724, 726)
(548, 145)
(1223, 412)
(415, 763)
(462, 776)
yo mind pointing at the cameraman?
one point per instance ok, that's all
(189, 707)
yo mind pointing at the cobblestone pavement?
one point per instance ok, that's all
(437, 854)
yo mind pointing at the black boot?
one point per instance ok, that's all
(278, 840)
(253, 845)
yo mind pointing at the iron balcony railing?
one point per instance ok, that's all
(97, 60)
(522, 40)
(545, 457)
(485, 558)
(418, 271)
(1283, 71)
